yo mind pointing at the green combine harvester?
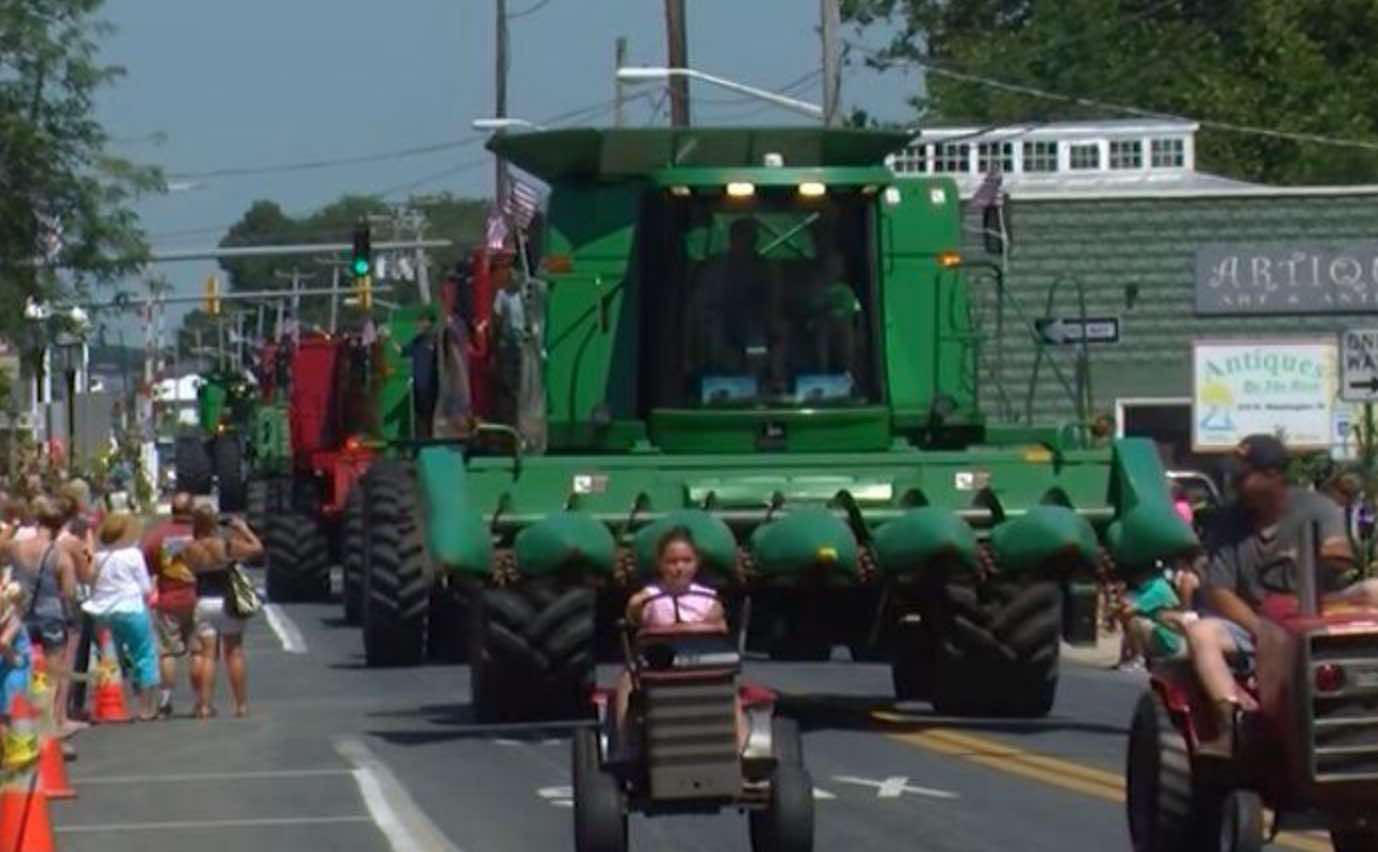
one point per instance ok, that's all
(765, 336)
(213, 455)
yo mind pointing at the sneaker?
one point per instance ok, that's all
(1134, 665)
(165, 710)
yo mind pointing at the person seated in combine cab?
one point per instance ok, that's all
(833, 312)
(739, 297)
(1253, 553)
(673, 600)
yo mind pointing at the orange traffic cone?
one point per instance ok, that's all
(109, 702)
(52, 766)
(24, 822)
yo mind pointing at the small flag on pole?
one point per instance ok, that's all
(521, 203)
(495, 235)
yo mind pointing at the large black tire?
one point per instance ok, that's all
(786, 745)
(397, 577)
(228, 456)
(797, 631)
(352, 556)
(192, 464)
(1160, 799)
(298, 553)
(786, 824)
(600, 809)
(531, 652)
(998, 649)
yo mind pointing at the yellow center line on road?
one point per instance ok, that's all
(1055, 772)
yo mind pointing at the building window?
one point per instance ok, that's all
(911, 160)
(997, 153)
(1169, 153)
(1127, 154)
(1084, 156)
(952, 158)
(1040, 156)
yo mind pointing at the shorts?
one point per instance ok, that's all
(51, 633)
(133, 631)
(176, 631)
(211, 618)
(1243, 657)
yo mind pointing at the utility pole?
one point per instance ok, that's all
(619, 59)
(679, 58)
(334, 297)
(832, 61)
(500, 99)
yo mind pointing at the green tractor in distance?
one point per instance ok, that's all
(213, 455)
(801, 392)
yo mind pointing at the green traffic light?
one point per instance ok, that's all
(360, 266)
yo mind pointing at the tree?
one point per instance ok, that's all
(64, 200)
(1301, 66)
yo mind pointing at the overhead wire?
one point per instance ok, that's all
(530, 10)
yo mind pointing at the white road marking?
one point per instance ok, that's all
(402, 822)
(210, 776)
(181, 825)
(286, 629)
(894, 787)
(820, 794)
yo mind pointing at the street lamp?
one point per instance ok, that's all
(504, 124)
(642, 74)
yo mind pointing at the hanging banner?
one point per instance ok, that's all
(1283, 387)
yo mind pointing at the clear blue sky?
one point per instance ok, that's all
(265, 82)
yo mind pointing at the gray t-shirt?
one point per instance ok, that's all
(1255, 563)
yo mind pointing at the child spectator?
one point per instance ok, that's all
(1151, 617)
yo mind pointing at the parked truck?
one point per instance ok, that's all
(764, 336)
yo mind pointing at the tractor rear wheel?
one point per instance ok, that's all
(229, 472)
(1160, 800)
(531, 652)
(397, 578)
(192, 464)
(352, 556)
(256, 509)
(998, 648)
(297, 552)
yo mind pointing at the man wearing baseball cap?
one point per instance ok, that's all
(1252, 549)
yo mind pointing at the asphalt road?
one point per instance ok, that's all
(339, 757)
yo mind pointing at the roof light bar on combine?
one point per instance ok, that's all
(741, 189)
(812, 189)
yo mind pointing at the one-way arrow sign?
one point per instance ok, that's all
(1061, 330)
(1359, 365)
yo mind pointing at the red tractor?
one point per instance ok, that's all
(330, 415)
(1309, 753)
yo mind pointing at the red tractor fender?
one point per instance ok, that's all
(339, 471)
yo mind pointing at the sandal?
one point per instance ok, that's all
(205, 713)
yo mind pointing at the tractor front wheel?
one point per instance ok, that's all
(1161, 800)
(531, 652)
(600, 808)
(397, 579)
(297, 551)
(998, 649)
(786, 823)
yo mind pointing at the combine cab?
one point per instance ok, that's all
(765, 337)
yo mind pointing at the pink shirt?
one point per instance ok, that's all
(691, 607)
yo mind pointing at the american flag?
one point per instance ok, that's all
(521, 203)
(988, 192)
(495, 235)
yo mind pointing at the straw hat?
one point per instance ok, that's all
(118, 528)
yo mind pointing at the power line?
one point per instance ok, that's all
(530, 10)
(1081, 100)
(402, 153)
